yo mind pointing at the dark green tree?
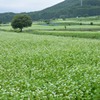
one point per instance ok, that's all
(0, 22)
(63, 17)
(47, 22)
(21, 21)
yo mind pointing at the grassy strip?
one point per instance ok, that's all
(79, 34)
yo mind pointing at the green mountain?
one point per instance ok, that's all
(72, 8)
(67, 8)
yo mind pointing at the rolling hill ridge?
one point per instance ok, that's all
(67, 8)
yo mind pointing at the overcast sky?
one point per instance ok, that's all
(25, 5)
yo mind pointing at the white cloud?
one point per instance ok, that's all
(25, 5)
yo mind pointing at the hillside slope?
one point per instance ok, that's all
(72, 8)
(67, 8)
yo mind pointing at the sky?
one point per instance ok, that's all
(18, 6)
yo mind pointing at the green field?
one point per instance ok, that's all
(46, 64)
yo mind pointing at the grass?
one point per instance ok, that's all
(79, 34)
(38, 67)
(72, 24)
(49, 62)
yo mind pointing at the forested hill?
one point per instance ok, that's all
(67, 8)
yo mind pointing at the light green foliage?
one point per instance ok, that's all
(34, 67)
